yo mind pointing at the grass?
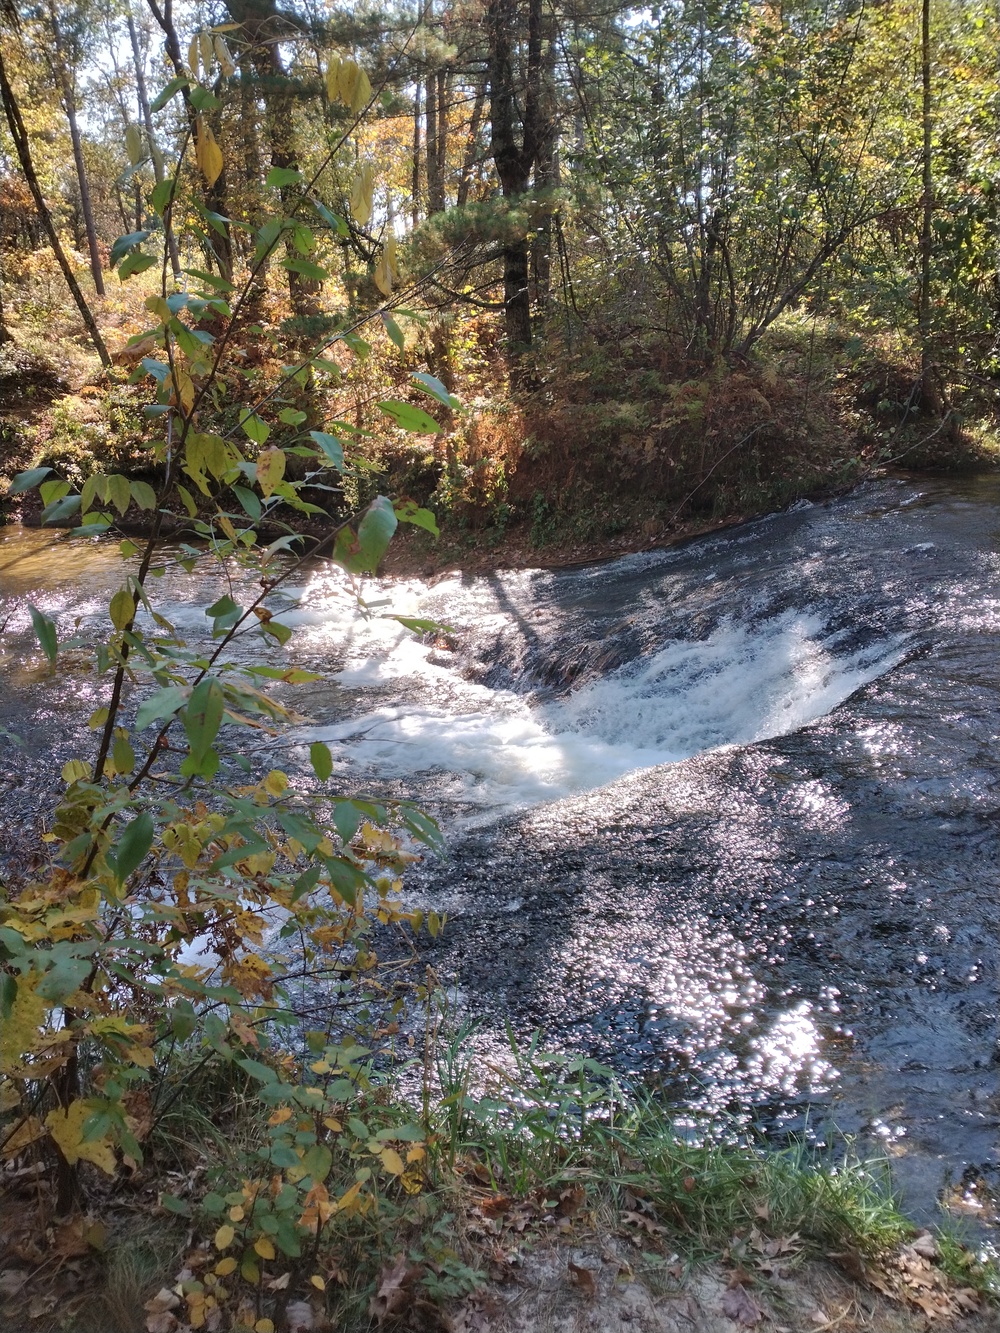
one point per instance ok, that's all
(534, 1149)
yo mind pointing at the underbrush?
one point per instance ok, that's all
(454, 1167)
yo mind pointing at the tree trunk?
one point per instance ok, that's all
(514, 160)
(929, 397)
(443, 91)
(69, 106)
(435, 203)
(415, 180)
(22, 147)
(471, 146)
(263, 27)
(147, 119)
(220, 244)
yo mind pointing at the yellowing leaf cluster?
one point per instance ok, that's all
(207, 152)
(66, 1127)
(387, 271)
(362, 193)
(348, 83)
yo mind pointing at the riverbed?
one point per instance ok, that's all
(725, 815)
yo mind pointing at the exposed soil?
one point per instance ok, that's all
(603, 1286)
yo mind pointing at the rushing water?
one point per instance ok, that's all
(726, 815)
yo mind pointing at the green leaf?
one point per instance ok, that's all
(394, 331)
(277, 630)
(254, 427)
(137, 262)
(45, 633)
(263, 1073)
(143, 494)
(291, 416)
(278, 177)
(165, 94)
(164, 703)
(136, 840)
(322, 760)
(317, 1161)
(174, 1205)
(433, 386)
(410, 418)
(374, 534)
(202, 717)
(124, 244)
(121, 608)
(158, 369)
(64, 977)
(213, 280)
(331, 447)
(61, 509)
(161, 195)
(420, 626)
(408, 512)
(119, 492)
(24, 481)
(203, 100)
(306, 268)
(249, 501)
(225, 613)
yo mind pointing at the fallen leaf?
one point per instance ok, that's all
(582, 1278)
(392, 1296)
(571, 1201)
(925, 1245)
(741, 1307)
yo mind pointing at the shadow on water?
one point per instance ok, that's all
(794, 925)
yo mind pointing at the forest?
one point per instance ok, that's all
(300, 292)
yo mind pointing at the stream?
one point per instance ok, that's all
(724, 815)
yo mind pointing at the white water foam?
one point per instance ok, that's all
(740, 684)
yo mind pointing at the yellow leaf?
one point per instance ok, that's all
(183, 389)
(133, 144)
(208, 154)
(318, 1282)
(276, 782)
(207, 50)
(225, 1266)
(226, 524)
(412, 1180)
(349, 1198)
(382, 277)
(361, 194)
(362, 92)
(226, 62)
(264, 1326)
(193, 54)
(390, 257)
(23, 1137)
(270, 469)
(224, 1237)
(347, 80)
(75, 770)
(331, 1123)
(333, 78)
(264, 1247)
(19, 1031)
(392, 1161)
(279, 1117)
(66, 1128)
